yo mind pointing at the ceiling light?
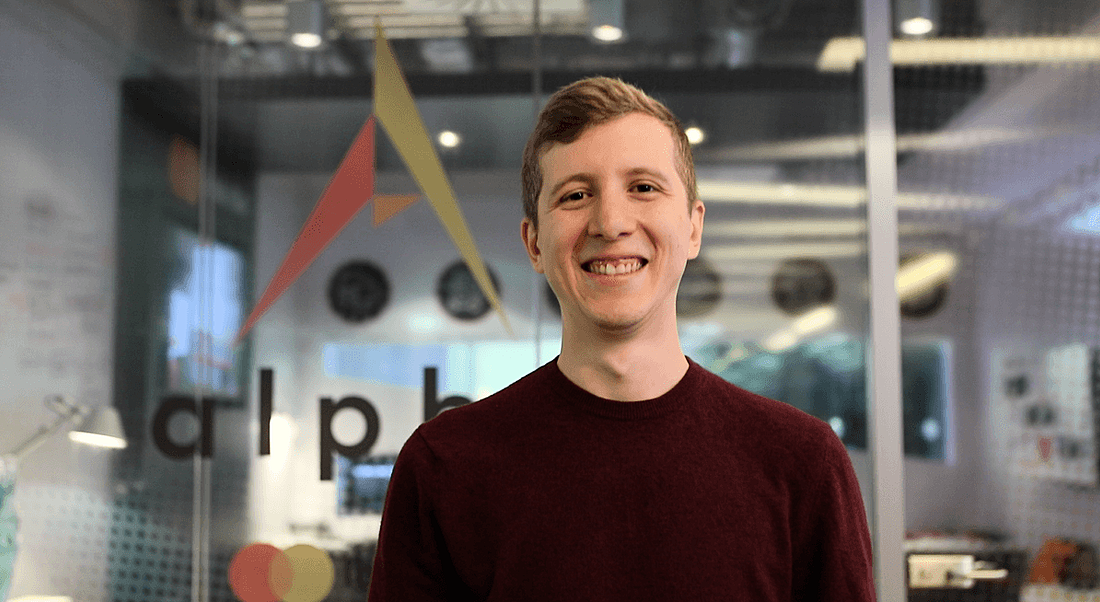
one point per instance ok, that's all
(695, 135)
(917, 26)
(607, 33)
(842, 54)
(814, 320)
(780, 341)
(924, 273)
(449, 139)
(916, 18)
(843, 146)
(779, 228)
(305, 22)
(832, 195)
(605, 18)
(305, 40)
(748, 252)
(808, 323)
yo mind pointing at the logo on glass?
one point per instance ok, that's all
(261, 572)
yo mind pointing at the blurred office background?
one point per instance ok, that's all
(158, 160)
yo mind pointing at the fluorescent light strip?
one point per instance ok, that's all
(832, 195)
(831, 228)
(407, 20)
(779, 228)
(773, 193)
(782, 251)
(744, 270)
(842, 54)
(806, 324)
(925, 273)
(840, 147)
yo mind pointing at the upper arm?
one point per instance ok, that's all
(410, 563)
(833, 556)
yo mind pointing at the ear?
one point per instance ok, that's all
(530, 234)
(696, 240)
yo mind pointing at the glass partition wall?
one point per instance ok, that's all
(174, 252)
(1011, 231)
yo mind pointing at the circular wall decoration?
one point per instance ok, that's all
(358, 291)
(700, 289)
(1017, 386)
(800, 284)
(459, 293)
(925, 303)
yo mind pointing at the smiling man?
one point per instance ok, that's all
(621, 470)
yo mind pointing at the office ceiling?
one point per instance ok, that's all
(495, 36)
(743, 70)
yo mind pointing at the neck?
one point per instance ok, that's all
(624, 366)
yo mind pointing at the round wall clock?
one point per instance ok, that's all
(700, 289)
(358, 291)
(459, 293)
(800, 284)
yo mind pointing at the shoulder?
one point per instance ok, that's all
(747, 410)
(783, 434)
(489, 419)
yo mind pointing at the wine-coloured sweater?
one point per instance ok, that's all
(544, 491)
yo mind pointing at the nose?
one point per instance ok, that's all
(612, 216)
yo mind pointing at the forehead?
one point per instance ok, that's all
(629, 142)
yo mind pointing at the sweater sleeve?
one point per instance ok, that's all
(833, 554)
(411, 563)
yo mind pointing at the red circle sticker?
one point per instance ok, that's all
(261, 572)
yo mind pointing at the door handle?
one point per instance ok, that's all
(986, 571)
(954, 571)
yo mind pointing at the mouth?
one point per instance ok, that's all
(614, 267)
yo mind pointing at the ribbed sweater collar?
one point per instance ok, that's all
(569, 393)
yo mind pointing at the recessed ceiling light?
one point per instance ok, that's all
(917, 26)
(305, 22)
(607, 33)
(449, 139)
(306, 40)
(695, 135)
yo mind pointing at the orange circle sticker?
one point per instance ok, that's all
(261, 572)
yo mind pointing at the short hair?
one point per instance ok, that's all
(590, 102)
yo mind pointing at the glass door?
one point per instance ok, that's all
(997, 180)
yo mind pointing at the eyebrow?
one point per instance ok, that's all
(590, 178)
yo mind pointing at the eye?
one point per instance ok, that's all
(644, 188)
(574, 196)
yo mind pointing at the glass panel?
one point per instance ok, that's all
(151, 198)
(99, 173)
(997, 172)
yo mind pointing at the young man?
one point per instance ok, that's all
(621, 470)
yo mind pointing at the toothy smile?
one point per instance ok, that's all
(614, 267)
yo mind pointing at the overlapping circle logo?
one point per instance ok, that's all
(261, 572)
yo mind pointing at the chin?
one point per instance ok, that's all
(615, 320)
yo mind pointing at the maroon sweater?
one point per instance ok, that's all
(544, 491)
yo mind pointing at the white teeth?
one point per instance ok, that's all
(614, 268)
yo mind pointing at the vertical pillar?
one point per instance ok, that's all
(884, 350)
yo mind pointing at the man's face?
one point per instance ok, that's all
(615, 229)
